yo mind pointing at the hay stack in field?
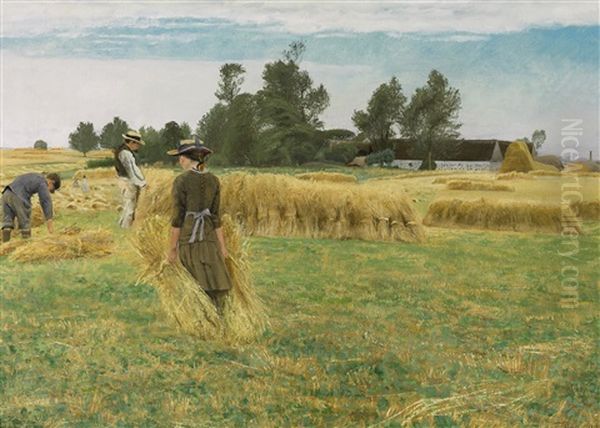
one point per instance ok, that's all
(244, 316)
(279, 205)
(478, 185)
(65, 244)
(587, 210)
(335, 177)
(518, 158)
(501, 215)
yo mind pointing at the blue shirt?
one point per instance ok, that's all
(26, 185)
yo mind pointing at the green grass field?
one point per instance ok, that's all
(465, 329)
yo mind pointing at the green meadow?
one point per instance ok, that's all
(465, 329)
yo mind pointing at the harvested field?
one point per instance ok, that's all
(501, 215)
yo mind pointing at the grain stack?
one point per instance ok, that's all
(518, 158)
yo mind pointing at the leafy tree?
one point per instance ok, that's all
(231, 82)
(538, 138)
(383, 112)
(382, 158)
(170, 136)
(186, 130)
(40, 145)
(211, 128)
(241, 134)
(84, 139)
(289, 106)
(152, 150)
(431, 118)
(112, 133)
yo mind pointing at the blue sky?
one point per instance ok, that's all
(518, 66)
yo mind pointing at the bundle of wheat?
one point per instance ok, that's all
(501, 215)
(244, 314)
(542, 172)
(156, 198)
(478, 185)
(183, 301)
(335, 177)
(65, 244)
(518, 158)
(587, 210)
(444, 180)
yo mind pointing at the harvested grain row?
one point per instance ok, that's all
(335, 177)
(501, 215)
(478, 185)
(587, 210)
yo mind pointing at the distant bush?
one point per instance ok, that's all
(383, 157)
(100, 163)
(341, 153)
(40, 145)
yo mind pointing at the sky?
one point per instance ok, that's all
(519, 66)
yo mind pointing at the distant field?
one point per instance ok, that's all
(464, 329)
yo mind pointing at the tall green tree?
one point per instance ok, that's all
(170, 136)
(241, 134)
(84, 139)
(112, 133)
(152, 151)
(431, 118)
(211, 127)
(186, 130)
(381, 120)
(231, 80)
(289, 106)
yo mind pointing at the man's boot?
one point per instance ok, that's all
(6, 235)
(26, 234)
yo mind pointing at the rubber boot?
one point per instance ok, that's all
(26, 234)
(6, 235)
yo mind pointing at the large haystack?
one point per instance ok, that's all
(65, 244)
(279, 205)
(244, 317)
(334, 177)
(501, 215)
(155, 199)
(518, 158)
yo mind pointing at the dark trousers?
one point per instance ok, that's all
(13, 207)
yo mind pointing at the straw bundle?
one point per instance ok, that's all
(518, 158)
(478, 185)
(65, 244)
(587, 210)
(335, 177)
(244, 316)
(183, 301)
(501, 215)
(444, 180)
(514, 175)
(278, 205)
(156, 198)
(542, 172)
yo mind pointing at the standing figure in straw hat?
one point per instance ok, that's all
(131, 179)
(196, 235)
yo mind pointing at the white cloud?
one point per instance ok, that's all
(307, 16)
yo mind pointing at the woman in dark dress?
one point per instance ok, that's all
(196, 234)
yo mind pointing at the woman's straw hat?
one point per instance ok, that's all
(190, 146)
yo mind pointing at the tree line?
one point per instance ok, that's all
(281, 123)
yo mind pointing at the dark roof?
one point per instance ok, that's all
(456, 150)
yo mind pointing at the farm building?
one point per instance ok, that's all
(458, 154)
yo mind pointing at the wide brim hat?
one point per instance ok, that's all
(190, 146)
(133, 136)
